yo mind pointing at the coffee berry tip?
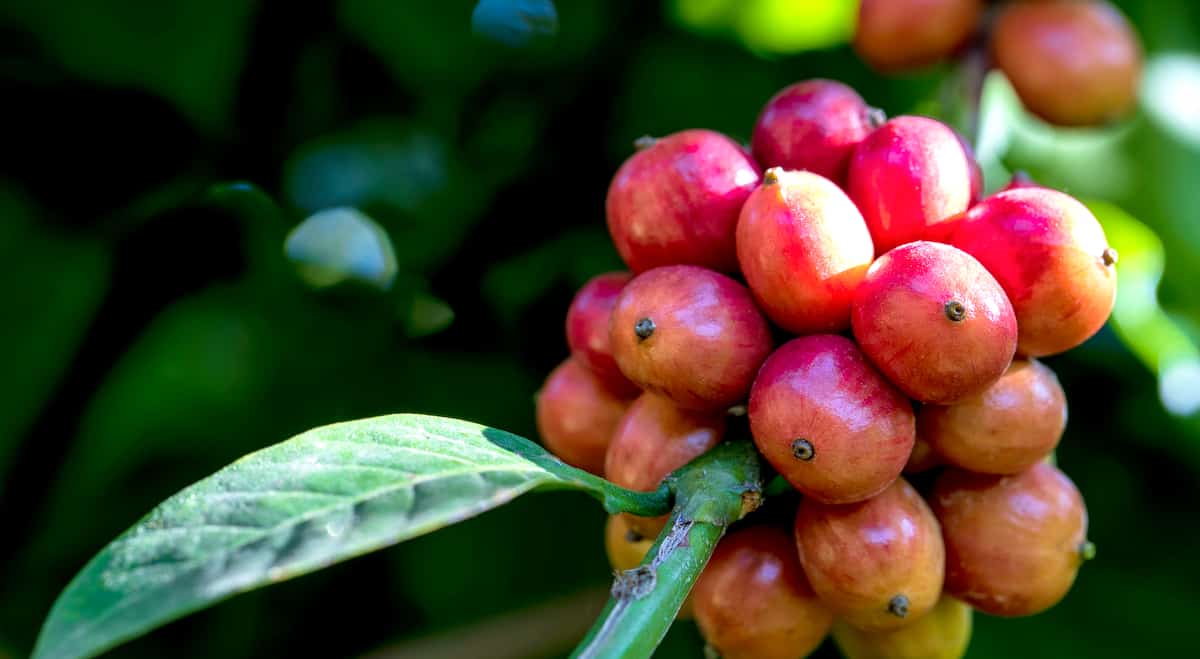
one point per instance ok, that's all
(771, 176)
(644, 328)
(898, 606)
(955, 311)
(802, 449)
(1087, 550)
(644, 142)
(1109, 256)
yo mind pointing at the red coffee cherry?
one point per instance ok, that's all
(813, 125)
(803, 248)
(1004, 430)
(653, 439)
(901, 35)
(576, 416)
(1072, 63)
(877, 564)
(690, 334)
(943, 633)
(677, 200)
(587, 329)
(909, 175)
(1013, 543)
(753, 601)
(828, 421)
(1049, 253)
(935, 322)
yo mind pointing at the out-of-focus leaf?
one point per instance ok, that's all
(1170, 93)
(425, 315)
(514, 22)
(771, 27)
(515, 284)
(1139, 320)
(188, 51)
(342, 244)
(322, 497)
(53, 283)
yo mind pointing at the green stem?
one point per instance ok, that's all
(646, 599)
(616, 499)
(711, 492)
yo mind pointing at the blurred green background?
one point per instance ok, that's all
(155, 329)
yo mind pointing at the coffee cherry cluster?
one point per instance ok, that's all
(1072, 62)
(869, 315)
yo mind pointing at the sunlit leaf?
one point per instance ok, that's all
(1170, 94)
(514, 22)
(342, 244)
(324, 496)
(771, 27)
(1140, 322)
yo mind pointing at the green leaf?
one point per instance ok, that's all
(514, 22)
(324, 496)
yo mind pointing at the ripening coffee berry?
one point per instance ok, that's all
(1004, 430)
(935, 322)
(677, 200)
(690, 334)
(1013, 543)
(653, 439)
(803, 248)
(1049, 253)
(753, 601)
(909, 175)
(576, 416)
(813, 125)
(878, 564)
(587, 329)
(828, 422)
(901, 35)
(1071, 63)
(943, 633)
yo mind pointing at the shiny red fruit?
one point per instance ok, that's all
(813, 125)
(1013, 543)
(935, 322)
(753, 601)
(587, 328)
(690, 334)
(676, 201)
(1049, 253)
(1004, 430)
(1072, 63)
(901, 35)
(653, 439)
(909, 175)
(576, 416)
(828, 422)
(878, 564)
(803, 248)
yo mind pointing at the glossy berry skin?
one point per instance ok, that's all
(1003, 430)
(587, 329)
(935, 322)
(803, 248)
(1013, 543)
(828, 422)
(902, 35)
(878, 564)
(753, 601)
(908, 176)
(653, 439)
(814, 126)
(943, 633)
(690, 334)
(1071, 63)
(576, 416)
(677, 201)
(1049, 253)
